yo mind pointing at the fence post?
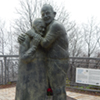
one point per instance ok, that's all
(2, 70)
(5, 68)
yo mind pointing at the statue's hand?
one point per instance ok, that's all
(31, 51)
(28, 54)
(41, 33)
(37, 39)
(21, 38)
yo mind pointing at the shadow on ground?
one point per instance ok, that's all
(69, 98)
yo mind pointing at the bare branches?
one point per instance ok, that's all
(30, 9)
(90, 31)
(2, 41)
(75, 42)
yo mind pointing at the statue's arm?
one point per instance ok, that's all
(51, 36)
(31, 33)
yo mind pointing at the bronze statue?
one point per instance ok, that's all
(31, 84)
(55, 46)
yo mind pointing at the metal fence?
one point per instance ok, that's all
(9, 67)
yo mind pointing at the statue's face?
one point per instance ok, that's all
(40, 28)
(47, 15)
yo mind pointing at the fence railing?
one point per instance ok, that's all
(9, 67)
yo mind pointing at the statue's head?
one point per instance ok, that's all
(39, 26)
(47, 13)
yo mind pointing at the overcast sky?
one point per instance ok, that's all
(80, 10)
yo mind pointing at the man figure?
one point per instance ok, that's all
(56, 44)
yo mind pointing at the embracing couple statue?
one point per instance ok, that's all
(43, 57)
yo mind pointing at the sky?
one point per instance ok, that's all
(83, 10)
(80, 10)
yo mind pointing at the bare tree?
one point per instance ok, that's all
(30, 9)
(6, 38)
(2, 35)
(75, 37)
(11, 40)
(91, 33)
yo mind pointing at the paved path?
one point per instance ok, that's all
(9, 94)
